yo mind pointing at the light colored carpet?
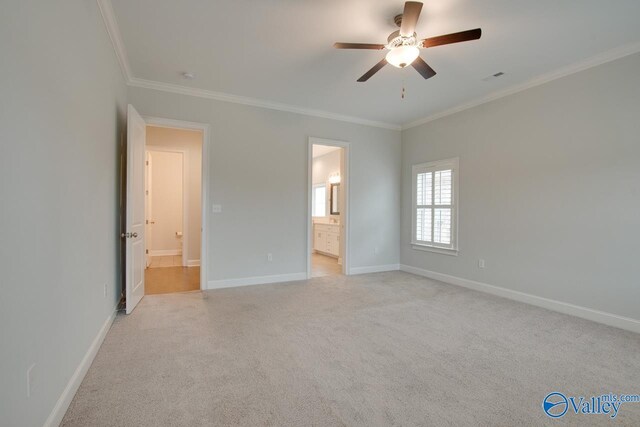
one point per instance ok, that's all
(369, 350)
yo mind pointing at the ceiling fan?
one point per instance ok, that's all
(404, 45)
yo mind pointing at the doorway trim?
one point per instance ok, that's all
(345, 224)
(206, 143)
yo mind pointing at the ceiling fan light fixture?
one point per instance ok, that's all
(404, 46)
(402, 56)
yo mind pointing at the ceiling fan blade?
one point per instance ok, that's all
(372, 71)
(410, 18)
(358, 46)
(462, 36)
(423, 68)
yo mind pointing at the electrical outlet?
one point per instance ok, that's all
(480, 263)
(30, 379)
(269, 257)
(216, 208)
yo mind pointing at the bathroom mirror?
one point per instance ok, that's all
(334, 199)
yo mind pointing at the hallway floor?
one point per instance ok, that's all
(166, 261)
(323, 265)
(166, 280)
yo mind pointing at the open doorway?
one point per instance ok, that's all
(327, 219)
(173, 209)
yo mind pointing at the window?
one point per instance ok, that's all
(435, 206)
(319, 200)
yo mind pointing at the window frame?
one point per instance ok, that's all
(314, 187)
(446, 164)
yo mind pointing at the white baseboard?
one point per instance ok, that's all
(165, 252)
(374, 269)
(327, 254)
(256, 280)
(57, 414)
(193, 263)
(621, 322)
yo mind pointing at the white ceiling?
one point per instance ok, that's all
(280, 51)
(321, 150)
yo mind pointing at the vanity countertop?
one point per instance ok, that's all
(325, 221)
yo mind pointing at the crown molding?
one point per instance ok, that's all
(594, 61)
(109, 18)
(226, 97)
(108, 15)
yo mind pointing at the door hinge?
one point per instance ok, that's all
(146, 192)
(146, 221)
(147, 162)
(146, 251)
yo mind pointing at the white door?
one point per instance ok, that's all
(147, 208)
(135, 253)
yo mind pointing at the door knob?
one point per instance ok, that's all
(129, 235)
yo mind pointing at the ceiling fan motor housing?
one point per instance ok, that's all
(395, 40)
(393, 36)
(398, 19)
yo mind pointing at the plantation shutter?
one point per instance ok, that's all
(434, 205)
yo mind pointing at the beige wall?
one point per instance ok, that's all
(548, 191)
(165, 203)
(258, 174)
(62, 116)
(191, 143)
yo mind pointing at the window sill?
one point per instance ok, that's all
(427, 248)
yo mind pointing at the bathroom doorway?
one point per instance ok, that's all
(327, 219)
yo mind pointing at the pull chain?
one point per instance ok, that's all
(403, 72)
